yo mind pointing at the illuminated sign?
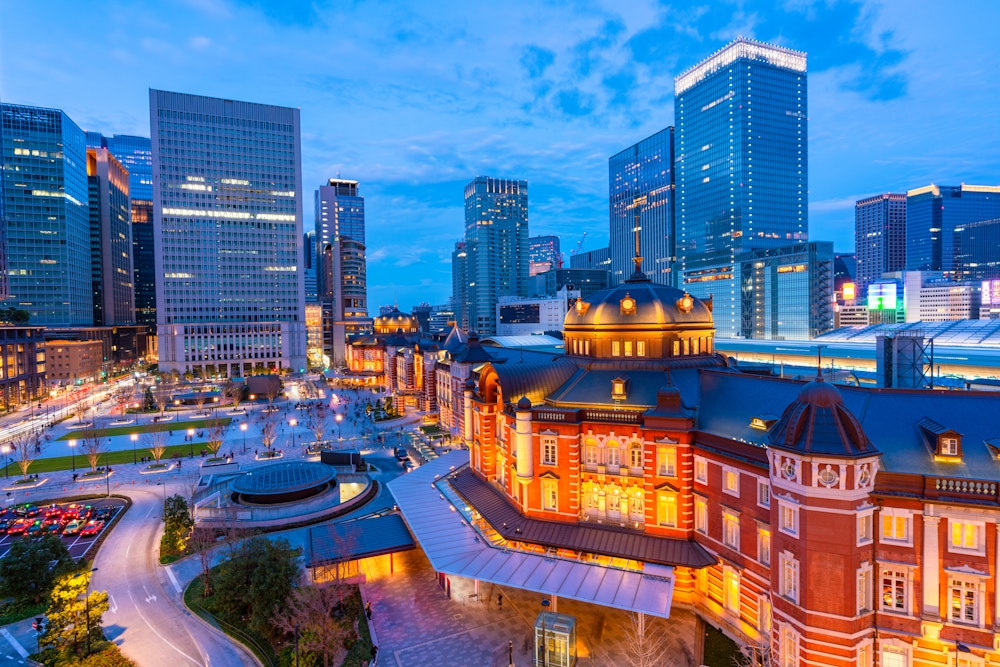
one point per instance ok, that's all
(882, 296)
(991, 292)
(848, 291)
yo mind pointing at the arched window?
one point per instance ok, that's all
(635, 455)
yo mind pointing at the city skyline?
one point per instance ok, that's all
(895, 99)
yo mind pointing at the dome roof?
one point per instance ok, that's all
(395, 316)
(817, 422)
(638, 301)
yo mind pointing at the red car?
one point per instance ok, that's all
(92, 528)
(52, 511)
(19, 527)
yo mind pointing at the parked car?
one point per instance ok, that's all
(27, 509)
(19, 526)
(52, 511)
(92, 528)
(52, 524)
(73, 527)
(105, 513)
(35, 529)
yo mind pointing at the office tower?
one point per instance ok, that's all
(641, 193)
(340, 211)
(310, 265)
(496, 240)
(543, 254)
(932, 214)
(227, 219)
(46, 221)
(845, 268)
(460, 285)
(741, 161)
(110, 239)
(422, 313)
(977, 249)
(592, 259)
(585, 281)
(879, 237)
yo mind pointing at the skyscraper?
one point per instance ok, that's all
(641, 192)
(46, 221)
(496, 240)
(227, 193)
(741, 160)
(879, 238)
(543, 254)
(110, 239)
(932, 214)
(340, 211)
(460, 285)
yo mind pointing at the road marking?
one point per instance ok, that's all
(149, 596)
(113, 606)
(173, 579)
(166, 641)
(13, 642)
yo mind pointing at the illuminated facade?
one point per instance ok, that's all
(977, 249)
(641, 192)
(932, 215)
(110, 239)
(46, 221)
(228, 235)
(543, 254)
(741, 161)
(22, 366)
(879, 238)
(340, 212)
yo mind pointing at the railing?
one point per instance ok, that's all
(967, 487)
(617, 416)
(260, 648)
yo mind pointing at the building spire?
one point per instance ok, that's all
(637, 275)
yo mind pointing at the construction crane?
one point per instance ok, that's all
(579, 244)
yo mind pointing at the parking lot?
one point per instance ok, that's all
(78, 525)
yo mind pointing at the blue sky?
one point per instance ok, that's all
(413, 99)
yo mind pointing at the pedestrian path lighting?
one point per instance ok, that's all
(339, 418)
(134, 437)
(191, 440)
(72, 451)
(243, 427)
(293, 423)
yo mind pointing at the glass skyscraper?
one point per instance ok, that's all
(110, 239)
(641, 181)
(977, 249)
(496, 241)
(340, 211)
(227, 220)
(932, 214)
(45, 220)
(741, 162)
(543, 254)
(879, 238)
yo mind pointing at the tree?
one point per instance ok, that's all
(177, 524)
(162, 397)
(156, 442)
(92, 445)
(24, 449)
(234, 392)
(311, 611)
(80, 410)
(148, 400)
(268, 432)
(644, 645)
(757, 653)
(317, 421)
(74, 616)
(200, 397)
(216, 433)
(272, 390)
(256, 583)
(31, 566)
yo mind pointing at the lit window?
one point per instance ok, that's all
(763, 493)
(965, 535)
(789, 577)
(789, 647)
(731, 589)
(666, 461)
(764, 546)
(895, 586)
(964, 596)
(640, 348)
(635, 455)
(549, 451)
(550, 494)
(628, 348)
(666, 509)
(895, 526)
(613, 454)
(700, 516)
(616, 348)
(864, 591)
(731, 529)
(700, 470)
(865, 528)
(731, 481)
(949, 446)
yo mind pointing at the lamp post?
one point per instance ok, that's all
(6, 451)
(339, 419)
(191, 440)
(545, 634)
(135, 408)
(243, 427)
(72, 451)
(293, 423)
(134, 437)
(107, 471)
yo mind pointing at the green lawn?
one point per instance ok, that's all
(112, 459)
(172, 425)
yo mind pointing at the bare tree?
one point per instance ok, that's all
(161, 398)
(80, 410)
(216, 433)
(268, 432)
(310, 611)
(644, 646)
(273, 390)
(200, 397)
(92, 445)
(156, 442)
(757, 653)
(24, 449)
(317, 421)
(234, 392)
(202, 543)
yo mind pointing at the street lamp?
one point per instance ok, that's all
(6, 450)
(243, 427)
(339, 418)
(191, 440)
(107, 471)
(293, 423)
(134, 437)
(72, 451)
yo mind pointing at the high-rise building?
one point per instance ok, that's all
(641, 194)
(977, 249)
(741, 160)
(110, 239)
(879, 237)
(46, 220)
(227, 193)
(340, 211)
(543, 254)
(460, 285)
(932, 214)
(496, 239)
(135, 154)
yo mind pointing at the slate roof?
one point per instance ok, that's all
(534, 379)
(818, 423)
(591, 385)
(505, 518)
(348, 540)
(890, 418)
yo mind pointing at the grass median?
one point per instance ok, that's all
(117, 458)
(145, 428)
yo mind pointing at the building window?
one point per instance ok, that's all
(666, 509)
(763, 493)
(789, 577)
(949, 447)
(628, 348)
(731, 529)
(590, 453)
(894, 590)
(789, 519)
(789, 647)
(640, 348)
(895, 526)
(616, 348)
(763, 545)
(894, 656)
(731, 589)
(864, 658)
(865, 528)
(864, 591)
(550, 494)
(635, 456)
(549, 451)
(613, 454)
(731, 480)
(666, 461)
(964, 596)
(965, 536)
(700, 470)
(700, 516)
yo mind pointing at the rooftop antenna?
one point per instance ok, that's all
(638, 255)
(819, 361)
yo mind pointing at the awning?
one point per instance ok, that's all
(350, 540)
(455, 547)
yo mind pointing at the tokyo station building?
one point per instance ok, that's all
(640, 470)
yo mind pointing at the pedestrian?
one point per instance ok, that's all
(499, 601)
(368, 610)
